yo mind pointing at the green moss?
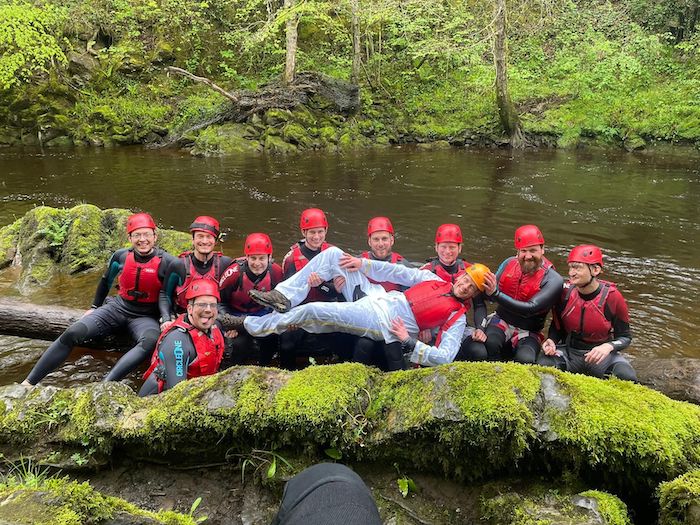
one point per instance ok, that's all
(8, 242)
(615, 424)
(82, 248)
(226, 139)
(174, 242)
(296, 134)
(611, 508)
(680, 500)
(63, 502)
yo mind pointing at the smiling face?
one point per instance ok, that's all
(448, 252)
(202, 312)
(203, 243)
(380, 244)
(258, 263)
(530, 258)
(464, 287)
(581, 274)
(143, 240)
(314, 237)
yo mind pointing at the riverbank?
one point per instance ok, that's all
(604, 74)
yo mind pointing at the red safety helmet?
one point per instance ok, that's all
(586, 253)
(139, 220)
(200, 287)
(257, 243)
(379, 224)
(528, 235)
(206, 224)
(313, 218)
(448, 233)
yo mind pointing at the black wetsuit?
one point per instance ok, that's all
(140, 319)
(526, 315)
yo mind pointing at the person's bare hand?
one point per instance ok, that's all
(231, 334)
(350, 263)
(479, 336)
(598, 353)
(88, 312)
(490, 283)
(339, 283)
(398, 328)
(164, 325)
(549, 347)
(425, 336)
(315, 280)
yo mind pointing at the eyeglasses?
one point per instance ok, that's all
(146, 235)
(204, 306)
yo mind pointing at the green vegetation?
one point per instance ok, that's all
(617, 73)
(680, 500)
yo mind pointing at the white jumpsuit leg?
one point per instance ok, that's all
(325, 264)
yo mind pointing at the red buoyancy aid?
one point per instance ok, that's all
(209, 348)
(299, 260)
(236, 277)
(586, 319)
(432, 304)
(139, 282)
(519, 286)
(438, 269)
(388, 286)
(192, 274)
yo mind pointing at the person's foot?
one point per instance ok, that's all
(274, 299)
(232, 322)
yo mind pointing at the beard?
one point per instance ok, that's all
(530, 265)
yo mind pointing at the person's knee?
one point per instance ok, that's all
(472, 351)
(148, 339)
(363, 351)
(552, 361)
(76, 334)
(526, 353)
(623, 371)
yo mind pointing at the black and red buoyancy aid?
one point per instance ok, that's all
(438, 269)
(192, 274)
(432, 303)
(236, 277)
(519, 286)
(395, 257)
(299, 259)
(139, 282)
(585, 319)
(209, 348)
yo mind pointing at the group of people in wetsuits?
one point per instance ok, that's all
(202, 312)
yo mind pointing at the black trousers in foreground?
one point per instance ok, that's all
(327, 494)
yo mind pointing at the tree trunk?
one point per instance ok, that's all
(356, 52)
(506, 110)
(46, 322)
(291, 30)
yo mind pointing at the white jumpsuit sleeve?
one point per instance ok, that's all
(446, 351)
(382, 271)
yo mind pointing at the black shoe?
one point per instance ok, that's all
(273, 299)
(232, 322)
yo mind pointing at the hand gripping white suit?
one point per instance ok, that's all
(370, 316)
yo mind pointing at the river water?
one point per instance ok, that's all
(642, 209)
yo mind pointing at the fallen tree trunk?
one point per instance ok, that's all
(678, 378)
(46, 322)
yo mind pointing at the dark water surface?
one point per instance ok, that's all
(642, 209)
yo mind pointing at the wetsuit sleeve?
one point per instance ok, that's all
(446, 351)
(224, 262)
(616, 312)
(550, 290)
(176, 352)
(479, 306)
(114, 266)
(173, 275)
(381, 271)
(227, 284)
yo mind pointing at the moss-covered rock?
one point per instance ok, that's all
(50, 240)
(227, 139)
(274, 144)
(37, 501)
(680, 500)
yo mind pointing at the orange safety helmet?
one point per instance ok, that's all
(477, 272)
(200, 287)
(448, 233)
(257, 243)
(313, 218)
(139, 220)
(586, 253)
(206, 224)
(379, 224)
(528, 235)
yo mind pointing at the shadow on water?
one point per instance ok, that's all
(643, 209)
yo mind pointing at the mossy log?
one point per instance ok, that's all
(469, 421)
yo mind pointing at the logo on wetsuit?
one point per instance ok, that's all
(179, 361)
